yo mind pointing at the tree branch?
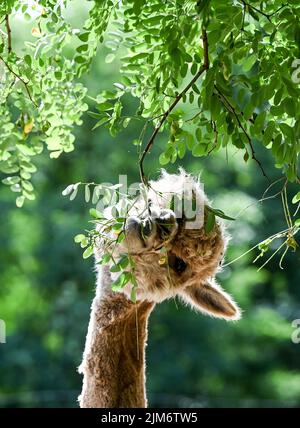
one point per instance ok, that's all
(266, 15)
(165, 115)
(216, 132)
(276, 11)
(20, 78)
(231, 109)
(8, 30)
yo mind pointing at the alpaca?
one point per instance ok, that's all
(172, 257)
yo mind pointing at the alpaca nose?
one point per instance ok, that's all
(133, 228)
(147, 227)
(132, 224)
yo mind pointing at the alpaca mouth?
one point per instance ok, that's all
(176, 263)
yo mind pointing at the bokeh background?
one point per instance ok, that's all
(192, 361)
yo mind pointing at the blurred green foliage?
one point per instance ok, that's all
(46, 288)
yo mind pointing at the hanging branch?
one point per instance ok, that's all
(9, 50)
(8, 30)
(19, 78)
(165, 115)
(231, 109)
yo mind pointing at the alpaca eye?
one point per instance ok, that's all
(179, 265)
(176, 263)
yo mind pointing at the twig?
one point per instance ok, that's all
(297, 210)
(150, 143)
(21, 79)
(230, 107)
(9, 48)
(243, 21)
(264, 197)
(194, 117)
(169, 96)
(276, 11)
(266, 15)
(270, 258)
(286, 209)
(275, 236)
(273, 184)
(257, 10)
(215, 129)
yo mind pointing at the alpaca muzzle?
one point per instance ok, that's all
(149, 232)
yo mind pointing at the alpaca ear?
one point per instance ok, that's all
(210, 299)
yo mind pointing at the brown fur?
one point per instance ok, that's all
(114, 362)
(114, 358)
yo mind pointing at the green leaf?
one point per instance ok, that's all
(101, 122)
(27, 59)
(199, 150)
(117, 226)
(296, 198)
(20, 201)
(84, 36)
(164, 159)
(209, 221)
(115, 268)
(124, 261)
(119, 86)
(87, 193)
(11, 180)
(278, 96)
(121, 281)
(105, 259)
(105, 106)
(88, 252)
(84, 243)
(95, 214)
(79, 238)
(219, 213)
(249, 62)
(268, 134)
(74, 193)
(126, 122)
(28, 151)
(133, 294)
(290, 87)
(259, 122)
(289, 105)
(96, 195)
(58, 75)
(287, 130)
(79, 59)
(198, 135)
(181, 149)
(16, 188)
(109, 58)
(27, 185)
(215, 107)
(68, 190)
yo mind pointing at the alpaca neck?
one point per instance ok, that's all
(114, 358)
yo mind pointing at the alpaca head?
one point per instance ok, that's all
(173, 254)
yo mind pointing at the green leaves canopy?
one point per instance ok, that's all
(249, 97)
